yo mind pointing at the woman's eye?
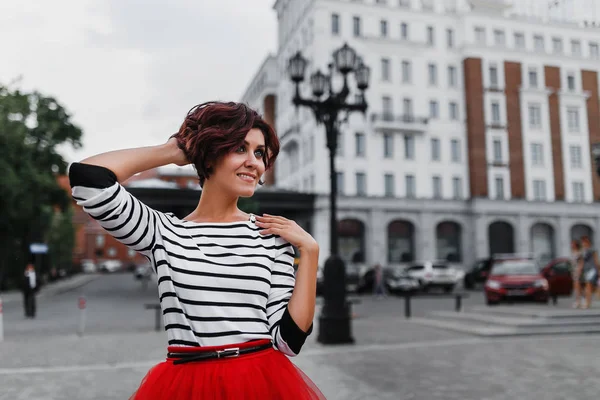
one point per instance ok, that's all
(259, 153)
(240, 149)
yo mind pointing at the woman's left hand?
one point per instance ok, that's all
(287, 229)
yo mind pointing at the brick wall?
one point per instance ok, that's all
(478, 170)
(512, 79)
(553, 82)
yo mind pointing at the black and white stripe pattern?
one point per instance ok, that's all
(218, 283)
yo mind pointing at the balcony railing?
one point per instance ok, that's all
(406, 123)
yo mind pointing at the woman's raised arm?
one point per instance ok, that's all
(128, 162)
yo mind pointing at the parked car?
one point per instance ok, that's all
(516, 279)
(559, 274)
(396, 280)
(434, 274)
(88, 266)
(110, 266)
(479, 272)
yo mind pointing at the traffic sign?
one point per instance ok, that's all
(38, 248)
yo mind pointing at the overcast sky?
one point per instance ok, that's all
(129, 70)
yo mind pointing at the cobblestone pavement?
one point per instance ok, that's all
(392, 359)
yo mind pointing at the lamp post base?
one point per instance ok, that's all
(335, 319)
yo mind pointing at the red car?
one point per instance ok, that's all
(519, 278)
(516, 279)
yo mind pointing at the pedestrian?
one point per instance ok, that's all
(588, 270)
(576, 272)
(378, 282)
(30, 287)
(232, 305)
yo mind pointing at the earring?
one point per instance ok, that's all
(261, 182)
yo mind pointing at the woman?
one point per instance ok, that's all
(576, 258)
(232, 306)
(588, 271)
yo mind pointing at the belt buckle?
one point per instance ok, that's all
(233, 352)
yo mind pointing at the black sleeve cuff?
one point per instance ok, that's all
(93, 176)
(291, 333)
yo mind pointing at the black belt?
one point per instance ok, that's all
(182, 358)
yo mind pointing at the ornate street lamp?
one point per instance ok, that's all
(334, 321)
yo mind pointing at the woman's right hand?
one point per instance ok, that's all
(178, 156)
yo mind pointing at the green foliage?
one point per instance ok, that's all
(32, 127)
(61, 239)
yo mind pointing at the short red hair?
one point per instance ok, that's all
(213, 129)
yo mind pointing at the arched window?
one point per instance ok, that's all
(401, 241)
(351, 239)
(448, 241)
(542, 242)
(501, 238)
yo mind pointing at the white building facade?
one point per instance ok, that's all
(477, 136)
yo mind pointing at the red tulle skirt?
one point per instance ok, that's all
(263, 375)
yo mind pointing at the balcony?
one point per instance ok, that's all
(399, 123)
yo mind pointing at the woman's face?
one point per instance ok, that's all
(239, 171)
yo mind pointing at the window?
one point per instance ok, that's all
(385, 69)
(388, 145)
(519, 40)
(453, 110)
(99, 240)
(406, 72)
(576, 47)
(130, 253)
(435, 149)
(573, 119)
(312, 182)
(383, 28)
(450, 38)
(409, 147)
(409, 181)
(404, 3)
(539, 190)
(311, 142)
(575, 153)
(537, 154)
(452, 76)
(388, 112)
(433, 109)
(359, 139)
(432, 73)
(533, 78)
(480, 35)
(535, 116)
(557, 45)
(499, 186)
(430, 36)
(404, 31)
(594, 51)
(335, 24)
(499, 38)
(339, 177)
(437, 187)
(457, 188)
(361, 184)
(455, 150)
(111, 252)
(356, 26)
(495, 113)
(407, 109)
(497, 147)
(388, 181)
(538, 43)
(340, 144)
(578, 192)
(493, 76)
(571, 82)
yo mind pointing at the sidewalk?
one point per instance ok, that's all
(51, 289)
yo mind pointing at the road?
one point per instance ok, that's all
(392, 359)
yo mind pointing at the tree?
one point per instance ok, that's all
(32, 126)
(61, 239)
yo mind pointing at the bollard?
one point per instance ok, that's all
(458, 302)
(82, 306)
(407, 305)
(1, 322)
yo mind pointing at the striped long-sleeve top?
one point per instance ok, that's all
(218, 283)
